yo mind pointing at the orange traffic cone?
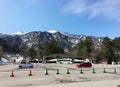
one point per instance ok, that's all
(30, 73)
(12, 74)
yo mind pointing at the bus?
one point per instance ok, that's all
(64, 61)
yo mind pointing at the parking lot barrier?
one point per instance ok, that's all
(81, 71)
(68, 72)
(57, 71)
(115, 71)
(104, 70)
(46, 73)
(30, 73)
(93, 70)
(12, 74)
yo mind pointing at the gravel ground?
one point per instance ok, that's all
(75, 78)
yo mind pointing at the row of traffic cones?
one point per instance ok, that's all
(68, 72)
(93, 70)
(46, 73)
(12, 73)
(81, 71)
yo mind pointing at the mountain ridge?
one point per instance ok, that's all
(40, 38)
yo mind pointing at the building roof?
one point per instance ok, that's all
(61, 56)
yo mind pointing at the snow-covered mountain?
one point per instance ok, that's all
(19, 33)
(52, 31)
(38, 38)
(2, 35)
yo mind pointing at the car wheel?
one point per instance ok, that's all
(20, 67)
(31, 66)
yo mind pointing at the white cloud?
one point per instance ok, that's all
(109, 9)
(76, 7)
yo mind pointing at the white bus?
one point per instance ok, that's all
(64, 61)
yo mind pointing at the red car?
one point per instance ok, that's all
(84, 64)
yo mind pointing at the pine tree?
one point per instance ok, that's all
(85, 48)
(52, 47)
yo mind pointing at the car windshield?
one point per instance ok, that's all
(25, 62)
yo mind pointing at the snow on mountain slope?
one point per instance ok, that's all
(52, 31)
(38, 38)
(19, 33)
(2, 35)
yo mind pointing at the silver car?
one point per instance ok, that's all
(25, 64)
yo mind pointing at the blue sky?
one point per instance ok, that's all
(86, 17)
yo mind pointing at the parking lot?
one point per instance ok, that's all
(22, 79)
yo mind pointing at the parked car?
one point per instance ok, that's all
(84, 64)
(25, 64)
